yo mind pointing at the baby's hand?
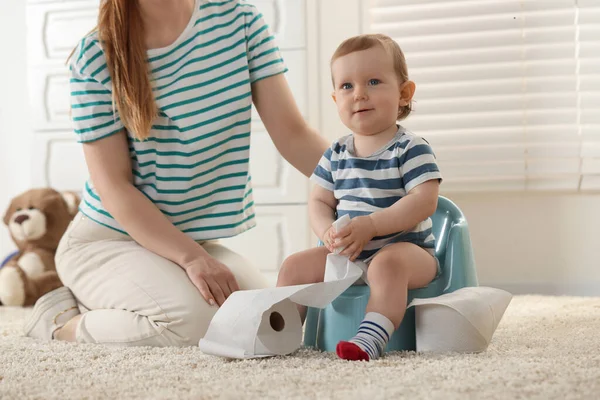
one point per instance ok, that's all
(328, 239)
(354, 236)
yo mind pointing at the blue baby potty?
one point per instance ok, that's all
(339, 320)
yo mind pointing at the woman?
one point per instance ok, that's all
(161, 98)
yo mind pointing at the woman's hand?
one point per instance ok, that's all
(212, 278)
(354, 236)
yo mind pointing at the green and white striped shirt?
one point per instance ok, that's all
(194, 165)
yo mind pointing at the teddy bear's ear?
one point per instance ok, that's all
(72, 201)
(8, 213)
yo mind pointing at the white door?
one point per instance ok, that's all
(280, 191)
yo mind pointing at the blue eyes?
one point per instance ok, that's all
(372, 82)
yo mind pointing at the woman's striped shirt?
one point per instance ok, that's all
(194, 165)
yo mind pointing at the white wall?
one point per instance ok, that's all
(15, 132)
(338, 20)
(535, 243)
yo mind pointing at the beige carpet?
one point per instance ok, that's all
(544, 348)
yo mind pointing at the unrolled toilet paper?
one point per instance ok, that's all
(461, 321)
(266, 322)
(337, 225)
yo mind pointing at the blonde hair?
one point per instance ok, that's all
(369, 41)
(121, 35)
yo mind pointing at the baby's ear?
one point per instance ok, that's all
(333, 97)
(407, 91)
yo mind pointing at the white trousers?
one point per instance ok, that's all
(132, 296)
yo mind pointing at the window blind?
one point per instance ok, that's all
(508, 92)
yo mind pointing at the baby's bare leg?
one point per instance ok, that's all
(394, 270)
(304, 267)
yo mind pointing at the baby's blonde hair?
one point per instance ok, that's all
(368, 41)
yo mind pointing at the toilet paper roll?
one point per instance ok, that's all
(280, 329)
(279, 332)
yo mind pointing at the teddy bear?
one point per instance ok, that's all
(36, 220)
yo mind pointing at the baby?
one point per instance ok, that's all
(386, 179)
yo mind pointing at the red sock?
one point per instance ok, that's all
(350, 351)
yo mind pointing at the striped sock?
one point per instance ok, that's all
(369, 343)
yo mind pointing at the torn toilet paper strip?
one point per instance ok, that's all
(461, 321)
